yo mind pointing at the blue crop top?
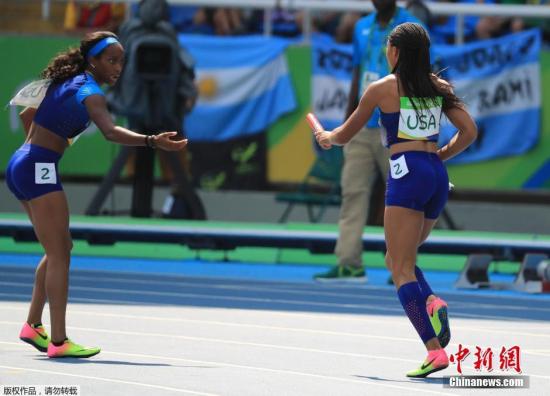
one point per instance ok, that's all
(406, 124)
(62, 110)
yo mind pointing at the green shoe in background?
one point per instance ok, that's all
(342, 273)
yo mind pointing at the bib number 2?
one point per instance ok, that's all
(398, 167)
(44, 173)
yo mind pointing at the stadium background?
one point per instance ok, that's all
(201, 288)
(290, 150)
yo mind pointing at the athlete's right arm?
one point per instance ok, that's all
(353, 124)
(96, 106)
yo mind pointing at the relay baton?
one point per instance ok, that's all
(314, 122)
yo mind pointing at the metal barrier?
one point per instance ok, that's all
(443, 9)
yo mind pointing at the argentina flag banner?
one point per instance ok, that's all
(244, 86)
(499, 80)
(330, 82)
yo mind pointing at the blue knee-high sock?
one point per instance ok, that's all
(424, 287)
(415, 307)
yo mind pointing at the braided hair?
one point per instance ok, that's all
(73, 61)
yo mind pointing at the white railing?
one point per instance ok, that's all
(460, 10)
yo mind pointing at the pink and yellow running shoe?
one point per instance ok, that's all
(71, 349)
(437, 360)
(439, 318)
(35, 335)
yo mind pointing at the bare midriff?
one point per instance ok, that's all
(413, 145)
(45, 138)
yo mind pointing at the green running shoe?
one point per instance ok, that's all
(71, 349)
(35, 335)
(437, 360)
(439, 318)
(342, 273)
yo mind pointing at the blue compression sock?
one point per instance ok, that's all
(415, 307)
(425, 289)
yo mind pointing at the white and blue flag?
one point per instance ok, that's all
(330, 82)
(244, 86)
(499, 80)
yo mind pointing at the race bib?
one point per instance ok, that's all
(421, 123)
(367, 79)
(44, 173)
(31, 95)
(398, 167)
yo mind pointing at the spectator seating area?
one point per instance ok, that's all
(65, 17)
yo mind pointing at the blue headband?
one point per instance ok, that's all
(100, 46)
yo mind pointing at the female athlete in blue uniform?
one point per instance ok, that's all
(411, 101)
(73, 98)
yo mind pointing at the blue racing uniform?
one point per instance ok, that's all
(417, 180)
(33, 170)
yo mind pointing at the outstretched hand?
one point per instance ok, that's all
(164, 141)
(323, 138)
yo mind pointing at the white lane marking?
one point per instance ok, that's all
(253, 299)
(239, 366)
(262, 300)
(402, 321)
(166, 388)
(222, 297)
(230, 342)
(249, 344)
(283, 287)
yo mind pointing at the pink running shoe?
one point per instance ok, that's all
(71, 349)
(35, 335)
(439, 318)
(437, 360)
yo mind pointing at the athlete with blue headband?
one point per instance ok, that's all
(411, 101)
(73, 99)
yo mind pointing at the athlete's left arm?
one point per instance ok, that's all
(26, 116)
(466, 134)
(97, 110)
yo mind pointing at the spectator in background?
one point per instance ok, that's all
(339, 25)
(284, 23)
(542, 23)
(495, 26)
(183, 18)
(228, 22)
(364, 156)
(443, 29)
(94, 15)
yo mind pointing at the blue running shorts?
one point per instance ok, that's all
(32, 172)
(418, 180)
